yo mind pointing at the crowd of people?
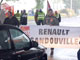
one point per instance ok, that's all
(22, 18)
(51, 18)
(16, 19)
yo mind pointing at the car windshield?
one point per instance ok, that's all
(20, 39)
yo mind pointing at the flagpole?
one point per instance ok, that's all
(47, 6)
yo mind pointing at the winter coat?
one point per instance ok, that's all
(13, 21)
(23, 19)
(51, 20)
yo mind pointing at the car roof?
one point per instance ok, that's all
(7, 26)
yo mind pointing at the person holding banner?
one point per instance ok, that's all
(58, 16)
(51, 20)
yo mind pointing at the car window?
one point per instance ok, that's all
(4, 40)
(20, 39)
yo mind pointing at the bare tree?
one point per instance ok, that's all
(39, 4)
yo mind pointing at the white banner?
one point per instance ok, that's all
(54, 36)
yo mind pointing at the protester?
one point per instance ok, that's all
(23, 18)
(41, 16)
(58, 16)
(36, 16)
(52, 21)
(11, 20)
(18, 15)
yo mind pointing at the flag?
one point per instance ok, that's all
(48, 6)
(6, 8)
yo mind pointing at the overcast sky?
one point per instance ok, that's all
(23, 4)
(29, 4)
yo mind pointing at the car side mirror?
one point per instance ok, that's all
(34, 44)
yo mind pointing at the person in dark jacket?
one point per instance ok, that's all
(23, 18)
(58, 16)
(51, 20)
(11, 20)
(36, 16)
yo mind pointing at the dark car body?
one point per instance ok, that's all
(78, 54)
(16, 45)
